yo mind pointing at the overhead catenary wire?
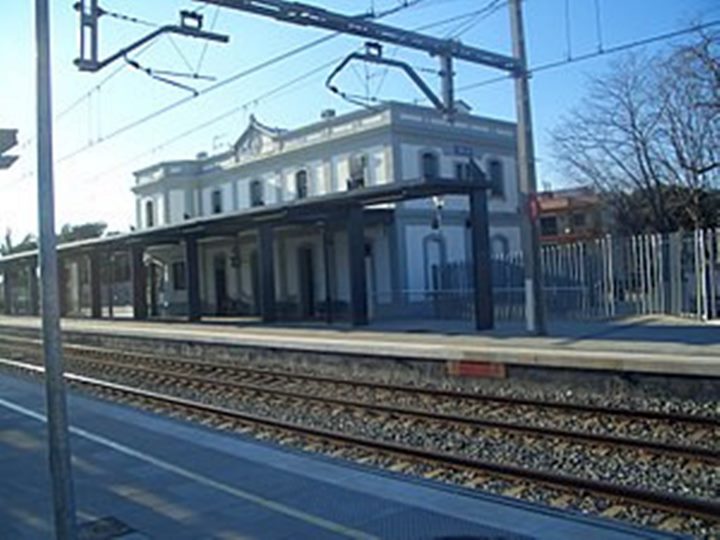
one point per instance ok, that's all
(273, 92)
(442, 22)
(224, 82)
(203, 52)
(606, 51)
(163, 110)
(277, 90)
(490, 8)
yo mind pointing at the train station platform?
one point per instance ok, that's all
(139, 476)
(648, 345)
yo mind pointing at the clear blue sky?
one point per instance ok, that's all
(94, 184)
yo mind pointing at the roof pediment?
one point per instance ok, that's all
(257, 138)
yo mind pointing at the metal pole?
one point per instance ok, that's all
(58, 438)
(448, 91)
(534, 302)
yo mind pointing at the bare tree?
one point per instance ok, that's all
(647, 135)
(689, 88)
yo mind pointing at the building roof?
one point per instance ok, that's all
(568, 198)
(283, 137)
(313, 210)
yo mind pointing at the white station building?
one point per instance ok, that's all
(416, 251)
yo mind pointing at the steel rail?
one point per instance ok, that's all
(703, 508)
(692, 452)
(418, 390)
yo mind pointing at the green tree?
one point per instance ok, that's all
(75, 233)
(28, 243)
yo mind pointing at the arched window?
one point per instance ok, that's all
(358, 171)
(217, 202)
(497, 182)
(256, 193)
(435, 261)
(430, 165)
(301, 184)
(149, 214)
(499, 245)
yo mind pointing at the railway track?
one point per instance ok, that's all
(157, 375)
(396, 456)
(197, 380)
(624, 427)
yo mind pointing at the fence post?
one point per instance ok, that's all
(656, 259)
(666, 274)
(698, 274)
(713, 241)
(704, 313)
(613, 280)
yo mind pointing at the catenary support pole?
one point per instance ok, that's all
(534, 301)
(57, 422)
(447, 77)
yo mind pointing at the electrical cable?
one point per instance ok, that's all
(273, 92)
(482, 14)
(603, 52)
(224, 82)
(442, 22)
(127, 18)
(598, 25)
(207, 44)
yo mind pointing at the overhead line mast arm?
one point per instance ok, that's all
(85, 65)
(377, 59)
(307, 15)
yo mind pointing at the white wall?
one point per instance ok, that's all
(455, 238)
(158, 201)
(227, 198)
(511, 234)
(177, 205)
(410, 158)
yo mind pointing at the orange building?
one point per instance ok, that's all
(569, 215)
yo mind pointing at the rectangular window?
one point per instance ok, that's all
(549, 226)
(462, 171)
(301, 184)
(217, 202)
(178, 276)
(579, 221)
(495, 176)
(256, 193)
(358, 167)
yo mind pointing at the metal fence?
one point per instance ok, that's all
(676, 274)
